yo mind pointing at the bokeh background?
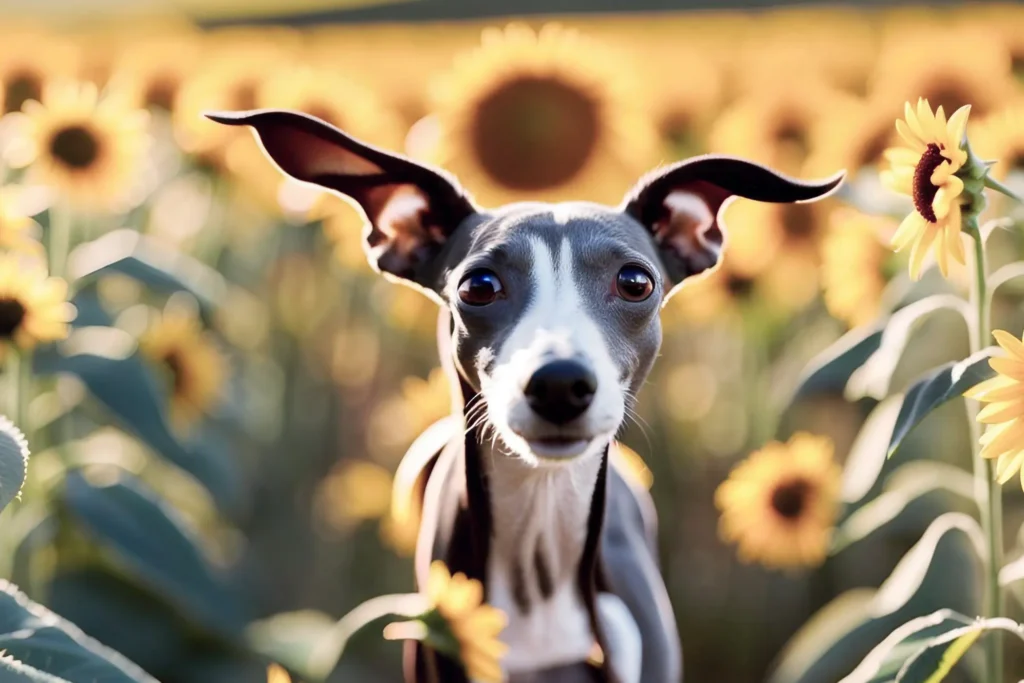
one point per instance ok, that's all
(296, 378)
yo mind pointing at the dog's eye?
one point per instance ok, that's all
(634, 283)
(480, 288)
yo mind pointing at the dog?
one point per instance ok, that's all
(549, 327)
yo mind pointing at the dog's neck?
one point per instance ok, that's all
(540, 516)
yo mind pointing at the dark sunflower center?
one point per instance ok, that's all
(12, 313)
(75, 146)
(798, 222)
(950, 96)
(245, 96)
(1016, 162)
(21, 87)
(535, 133)
(924, 190)
(789, 499)
(1017, 65)
(176, 367)
(793, 136)
(677, 129)
(322, 112)
(739, 286)
(160, 93)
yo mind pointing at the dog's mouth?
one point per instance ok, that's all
(558, 446)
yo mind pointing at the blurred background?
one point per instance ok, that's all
(279, 381)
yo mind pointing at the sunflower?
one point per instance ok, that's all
(1004, 414)
(1000, 137)
(398, 420)
(329, 96)
(236, 65)
(918, 62)
(277, 674)
(34, 308)
(151, 69)
(353, 492)
(29, 60)
(779, 127)
(545, 114)
(16, 226)
(853, 136)
(192, 363)
(853, 256)
(926, 171)
(475, 625)
(89, 149)
(834, 47)
(780, 504)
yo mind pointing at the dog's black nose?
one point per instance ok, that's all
(561, 390)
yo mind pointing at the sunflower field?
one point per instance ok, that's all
(208, 390)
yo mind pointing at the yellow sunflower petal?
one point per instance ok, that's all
(1008, 366)
(957, 126)
(909, 230)
(1008, 465)
(1009, 343)
(920, 250)
(995, 413)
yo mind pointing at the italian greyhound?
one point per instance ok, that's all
(549, 327)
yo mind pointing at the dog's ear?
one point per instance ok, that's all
(682, 205)
(410, 209)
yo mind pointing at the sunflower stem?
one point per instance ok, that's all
(58, 240)
(987, 489)
(325, 655)
(19, 376)
(993, 184)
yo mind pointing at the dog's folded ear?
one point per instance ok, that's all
(682, 205)
(411, 209)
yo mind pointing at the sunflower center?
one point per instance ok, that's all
(798, 222)
(322, 112)
(792, 136)
(160, 93)
(739, 286)
(75, 146)
(12, 313)
(245, 96)
(176, 367)
(22, 86)
(924, 190)
(677, 129)
(535, 133)
(790, 498)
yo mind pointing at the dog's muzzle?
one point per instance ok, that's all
(561, 391)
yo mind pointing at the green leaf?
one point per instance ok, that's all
(932, 574)
(866, 459)
(115, 374)
(41, 640)
(907, 484)
(909, 574)
(830, 370)
(915, 652)
(145, 539)
(13, 462)
(873, 378)
(290, 638)
(13, 671)
(140, 257)
(942, 384)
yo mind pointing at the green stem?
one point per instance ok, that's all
(19, 377)
(58, 240)
(993, 184)
(987, 488)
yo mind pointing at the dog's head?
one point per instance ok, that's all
(555, 307)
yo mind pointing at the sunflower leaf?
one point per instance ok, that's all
(13, 462)
(866, 459)
(938, 572)
(144, 538)
(873, 378)
(907, 484)
(130, 253)
(118, 378)
(40, 646)
(830, 370)
(942, 384)
(925, 649)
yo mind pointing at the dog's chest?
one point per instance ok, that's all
(539, 530)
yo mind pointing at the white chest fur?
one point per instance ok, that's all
(540, 515)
